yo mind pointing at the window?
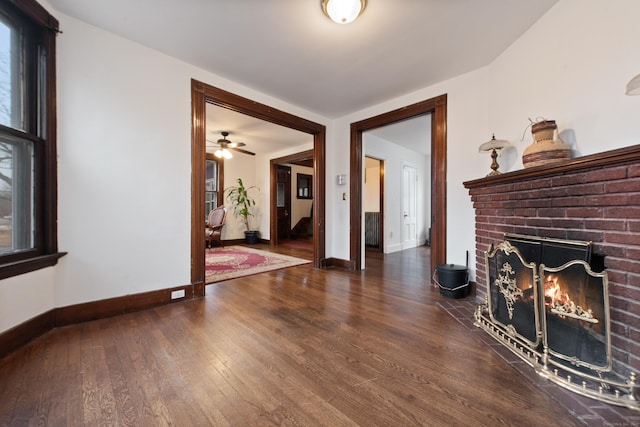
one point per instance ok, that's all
(211, 190)
(213, 183)
(304, 186)
(28, 233)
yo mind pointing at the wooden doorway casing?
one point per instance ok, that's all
(283, 212)
(201, 94)
(437, 107)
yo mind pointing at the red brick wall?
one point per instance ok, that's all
(588, 200)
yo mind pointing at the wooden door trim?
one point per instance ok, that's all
(303, 155)
(201, 94)
(273, 204)
(437, 107)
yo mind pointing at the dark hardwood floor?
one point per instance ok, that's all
(298, 346)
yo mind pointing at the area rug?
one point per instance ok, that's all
(238, 261)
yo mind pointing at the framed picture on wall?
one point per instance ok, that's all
(304, 187)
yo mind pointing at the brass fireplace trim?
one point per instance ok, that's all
(606, 321)
(619, 393)
(540, 239)
(613, 391)
(509, 289)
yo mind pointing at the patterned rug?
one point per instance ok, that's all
(238, 261)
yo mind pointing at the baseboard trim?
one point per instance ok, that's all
(231, 242)
(22, 334)
(337, 262)
(120, 305)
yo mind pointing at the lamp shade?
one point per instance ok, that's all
(343, 11)
(633, 87)
(494, 144)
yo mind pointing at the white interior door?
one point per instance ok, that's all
(409, 207)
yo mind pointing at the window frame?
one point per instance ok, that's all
(219, 179)
(39, 128)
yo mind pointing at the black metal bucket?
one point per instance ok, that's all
(453, 280)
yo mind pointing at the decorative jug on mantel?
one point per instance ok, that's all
(545, 149)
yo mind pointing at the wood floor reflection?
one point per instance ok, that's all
(298, 346)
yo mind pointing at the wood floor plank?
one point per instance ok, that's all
(293, 347)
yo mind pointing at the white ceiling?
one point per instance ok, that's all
(414, 134)
(260, 137)
(290, 50)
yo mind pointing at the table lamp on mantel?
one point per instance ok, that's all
(494, 145)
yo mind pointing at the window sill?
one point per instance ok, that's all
(32, 264)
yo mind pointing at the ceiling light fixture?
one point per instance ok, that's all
(224, 145)
(633, 87)
(343, 11)
(223, 153)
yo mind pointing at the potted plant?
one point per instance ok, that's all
(242, 202)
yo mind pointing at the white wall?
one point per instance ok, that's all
(125, 165)
(124, 169)
(26, 296)
(572, 66)
(125, 130)
(244, 167)
(371, 193)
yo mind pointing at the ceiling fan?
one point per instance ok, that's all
(224, 145)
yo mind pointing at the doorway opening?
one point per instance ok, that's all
(374, 204)
(295, 216)
(201, 94)
(437, 108)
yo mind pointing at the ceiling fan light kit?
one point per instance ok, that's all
(343, 11)
(223, 153)
(224, 145)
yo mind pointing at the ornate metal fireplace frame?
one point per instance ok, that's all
(585, 379)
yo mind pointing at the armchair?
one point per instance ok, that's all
(213, 227)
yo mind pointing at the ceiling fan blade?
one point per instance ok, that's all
(240, 150)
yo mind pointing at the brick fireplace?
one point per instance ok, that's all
(592, 198)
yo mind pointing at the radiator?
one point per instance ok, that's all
(372, 229)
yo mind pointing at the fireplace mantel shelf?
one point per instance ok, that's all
(607, 158)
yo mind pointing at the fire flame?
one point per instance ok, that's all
(560, 303)
(553, 293)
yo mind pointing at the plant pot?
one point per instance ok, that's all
(251, 237)
(545, 149)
